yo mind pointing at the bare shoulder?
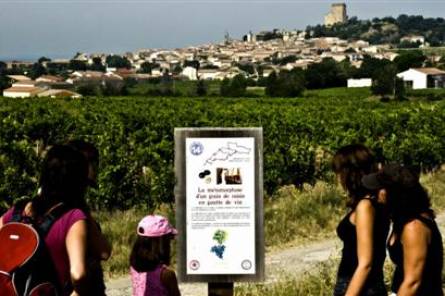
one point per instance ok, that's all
(415, 231)
(364, 207)
(78, 229)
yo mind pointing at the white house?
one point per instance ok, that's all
(413, 39)
(84, 75)
(156, 72)
(49, 79)
(420, 78)
(362, 82)
(208, 74)
(22, 92)
(59, 93)
(267, 72)
(190, 72)
(25, 83)
(16, 78)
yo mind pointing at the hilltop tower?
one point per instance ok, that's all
(336, 15)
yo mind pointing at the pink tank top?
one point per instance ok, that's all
(148, 283)
(55, 241)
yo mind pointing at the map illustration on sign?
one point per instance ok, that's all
(225, 153)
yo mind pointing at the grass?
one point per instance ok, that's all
(309, 284)
(119, 228)
(359, 93)
(292, 217)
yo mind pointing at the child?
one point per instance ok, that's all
(150, 257)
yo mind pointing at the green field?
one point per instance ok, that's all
(135, 137)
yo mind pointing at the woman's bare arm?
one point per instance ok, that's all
(415, 239)
(97, 242)
(76, 246)
(364, 224)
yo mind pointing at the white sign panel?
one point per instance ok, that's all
(220, 212)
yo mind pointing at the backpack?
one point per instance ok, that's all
(26, 267)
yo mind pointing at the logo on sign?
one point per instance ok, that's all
(196, 148)
(246, 264)
(194, 265)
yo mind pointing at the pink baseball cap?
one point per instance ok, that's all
(155, 226)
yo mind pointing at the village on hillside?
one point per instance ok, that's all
(256, 56)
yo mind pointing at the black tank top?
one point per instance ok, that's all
(431, 284)
(349, 260)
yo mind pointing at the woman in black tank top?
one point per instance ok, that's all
(363, 230)
(415, 244)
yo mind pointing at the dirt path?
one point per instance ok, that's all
(290, 261)
(293, 261)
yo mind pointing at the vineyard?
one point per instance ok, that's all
(135, 137)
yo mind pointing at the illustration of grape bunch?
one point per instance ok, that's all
(220, 237)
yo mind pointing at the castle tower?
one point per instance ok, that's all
(336, 15)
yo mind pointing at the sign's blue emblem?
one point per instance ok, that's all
(196, 148)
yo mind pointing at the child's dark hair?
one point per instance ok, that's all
(149, 252)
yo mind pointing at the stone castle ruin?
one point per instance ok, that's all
(336, 15)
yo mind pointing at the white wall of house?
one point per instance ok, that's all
(28, 83)
(7, 94)
(14, 94)
(156, 72)
(419, 79)
(208, 75)
(190, 73)
(362, 82)
(266, 73)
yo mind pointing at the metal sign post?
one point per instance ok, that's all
(220, 289)
(219, 205)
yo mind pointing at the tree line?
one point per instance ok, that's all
(385, 30)
(330, 73)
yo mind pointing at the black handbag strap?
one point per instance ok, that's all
(44, 224)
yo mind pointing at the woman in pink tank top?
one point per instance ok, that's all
(150, 257)
(63, 181)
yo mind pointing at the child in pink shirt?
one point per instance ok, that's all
(150, 257)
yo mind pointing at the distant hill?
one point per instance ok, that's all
(385, 30)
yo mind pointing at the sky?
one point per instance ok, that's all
(30, 29)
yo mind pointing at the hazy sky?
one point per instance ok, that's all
(59, 28)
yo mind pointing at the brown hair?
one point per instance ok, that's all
(149, 252)
(63, 178)
(351, 163)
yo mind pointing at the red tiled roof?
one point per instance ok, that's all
(23, 89)
(430, 71)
